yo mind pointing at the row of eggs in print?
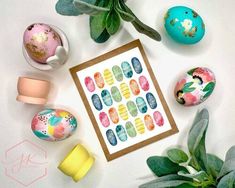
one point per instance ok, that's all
(131, 130)
(117, 72)
(115, 94)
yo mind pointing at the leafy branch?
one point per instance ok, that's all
(105, 17)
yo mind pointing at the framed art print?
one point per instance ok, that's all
(123, 100)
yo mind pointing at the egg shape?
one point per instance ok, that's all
(136, 65)
(127, 70)
(104, 120)
(117, 72)
(41, 41)
(111, 137)
(184, 25)
(139, 126)
(96, 102)
(130, 129)
(148, 121)
(113, 115)
(195, 86)
(108, 77)
(158, 118)
(141, 104)
(132, 108)
(144, 84)
(99, 80)
(116, 95)
(90, 85)
(125, 90)
(122, 112)
(134, 87)
(106, 97)
(121, 133)
(151, 100)
(53, 124)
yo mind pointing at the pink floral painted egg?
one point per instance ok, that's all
(41, 41)
(195, 87)
(104, 119)
(144, 84)
(157, 116)
(89, 84)
(53, 124)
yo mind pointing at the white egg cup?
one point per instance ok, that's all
(55, 61)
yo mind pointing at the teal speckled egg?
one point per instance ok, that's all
(184, 25)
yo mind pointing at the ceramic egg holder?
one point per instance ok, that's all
(53, 62)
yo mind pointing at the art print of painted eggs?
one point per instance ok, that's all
(41, 41)
(195, 87)
(184, 25)
(53, 124)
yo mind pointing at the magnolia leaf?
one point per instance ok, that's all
(125, 15)
(170, 177)
(162, 166)
(97, 25)
(200, 176)
(214, 164)
(112, 22)
(228, 166)
(177, 156)
(88, 8)
(227, 181)
(230, 154)
(67, 8)
(103, 37)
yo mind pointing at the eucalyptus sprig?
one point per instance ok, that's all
(198, 169)
(105, 17)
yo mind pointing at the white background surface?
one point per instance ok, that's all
(168, 60)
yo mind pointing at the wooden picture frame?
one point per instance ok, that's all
(74, 72)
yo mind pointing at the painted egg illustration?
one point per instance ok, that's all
(53, 124)
(40, 41)
(139, 125)
(89, 84)
(127, 70)
(151, 100)
(132, 108)
(144, 84)
(104, 119)
(141, 104)
(97, 102)
(130, 129)
(113, 115)
(121, 133)
(99, 79)
(111, 137)
(123, 112)
(117, 72)
(184, 25)
(125, 90)
(157, 116)
(148, 121)
(136, 65)
(134, 87)
(106, 97)
(108, 77)
(195, 87)
(116, 94)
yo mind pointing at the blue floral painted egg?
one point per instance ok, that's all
(184, 25)
(106, 97)
(96, 102)
(141, 104)
(136, 65)
(111, 137)
(121, 133)
(53, 124)
(151, 100)
(127, 70)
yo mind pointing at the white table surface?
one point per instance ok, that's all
(168, 60)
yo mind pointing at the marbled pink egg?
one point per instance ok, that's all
(90, 85)
(144, 84)
(104, 119)
(157, 116)
(41, 41)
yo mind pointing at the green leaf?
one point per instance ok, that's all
(88, 8)
(103, 37)
(97, 25)
(162, 166)
(168, 178)
(191, 71)
(214, 164)
(40, 135)
(66, 7)
(227, 181)
(230, 153)
(209, 87)
(188, 90)
(188, 84)
(125, 15)
(200, 176)
(112, 22)
(177, 156)
(140, 26)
